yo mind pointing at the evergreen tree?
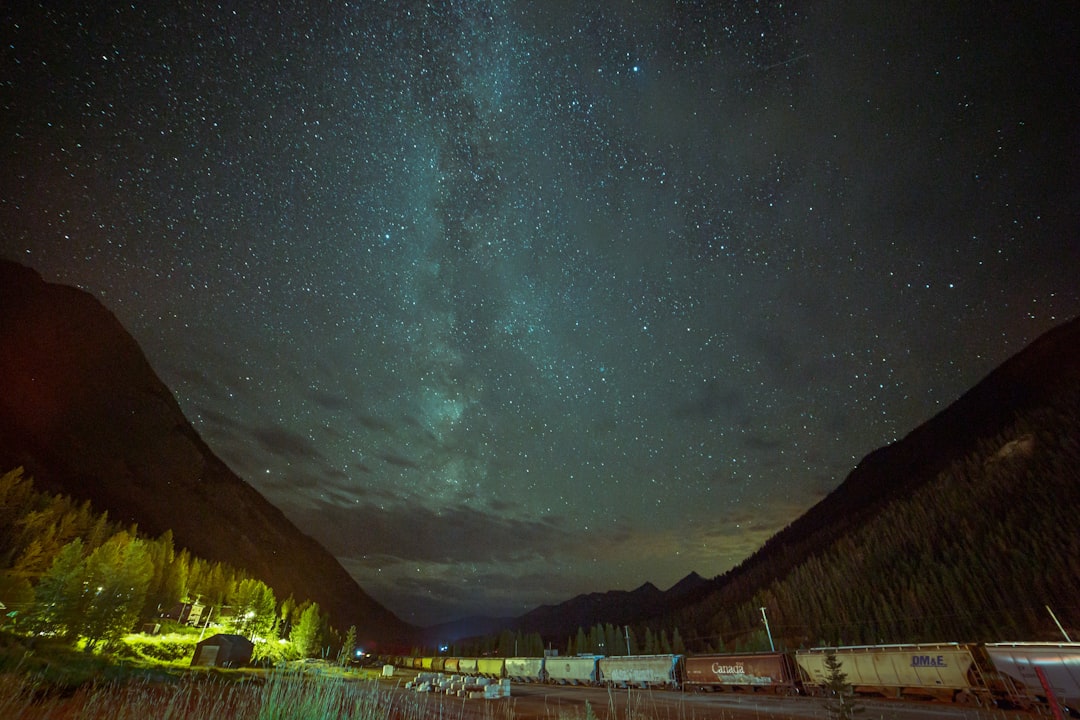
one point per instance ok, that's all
(664, 646)
(840, 697)
(57, 595)
(348, 647)
(677, 645)
(581, 642)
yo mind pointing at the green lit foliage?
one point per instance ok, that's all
(35, 526)
(255, 610)
(69, 572)
(97, 597)
(172, 649)
(306, 634)
(56, 596)
(116, 580)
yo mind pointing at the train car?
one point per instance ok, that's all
(747, 672)
(426, 663)
(451, 665)
(491, 667)
(418, 663)
(572, 670)
(438, 664)
(947, 672)
(1038, 673)
(525, 669)
(468, 666)
(640, 670)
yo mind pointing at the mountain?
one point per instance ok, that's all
(556, 622)
(83, 412)
(1001, 459)
(966, 519)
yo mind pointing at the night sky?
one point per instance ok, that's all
(505, 302)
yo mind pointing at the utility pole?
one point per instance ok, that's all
(767, 630)
(1067, 638)
(626, 631)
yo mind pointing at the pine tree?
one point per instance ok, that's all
(840, 697)
(677, 645)
(348, 647)
(57, 595)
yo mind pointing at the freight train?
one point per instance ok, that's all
(1018, 675)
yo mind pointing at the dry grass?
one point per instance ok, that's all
(280, 695)
(298, 695)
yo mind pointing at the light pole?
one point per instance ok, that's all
(767, 630)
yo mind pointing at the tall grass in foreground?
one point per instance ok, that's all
(295, 695)
(280, 695)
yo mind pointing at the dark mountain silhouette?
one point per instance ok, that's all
(83, 412)
(1048, 369)
(1035, 379)
(618, 607)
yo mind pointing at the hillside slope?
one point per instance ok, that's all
(82, 410)
(906, 534)
(949, 469)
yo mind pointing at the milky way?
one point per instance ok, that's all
(505, 302)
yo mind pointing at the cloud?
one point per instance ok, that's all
(328, 400)
(416, 533)
(398, 460)
(284, 443)
(711, 401)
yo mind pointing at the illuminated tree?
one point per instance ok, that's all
(57, 595)
(256, 609)
(114, 589)
(307, 633)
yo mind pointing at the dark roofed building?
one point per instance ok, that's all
(223, 651)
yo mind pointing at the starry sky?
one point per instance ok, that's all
(504, 302)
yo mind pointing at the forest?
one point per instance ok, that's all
(69, 573)
(983, 552)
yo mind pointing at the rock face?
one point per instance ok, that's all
(82, 410)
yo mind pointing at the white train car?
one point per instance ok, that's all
(640, 670)
(1039, 673)
(525, 669)
(576, 670)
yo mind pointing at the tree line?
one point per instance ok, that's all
(69, 572)
(600, 639)
(979, 554)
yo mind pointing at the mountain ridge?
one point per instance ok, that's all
(84, 413)
(1046, 369)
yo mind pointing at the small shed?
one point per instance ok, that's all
(223, 650)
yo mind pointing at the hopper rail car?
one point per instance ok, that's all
(1016, 675)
